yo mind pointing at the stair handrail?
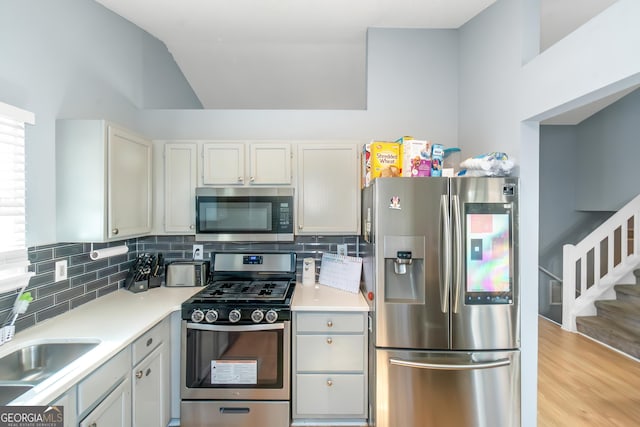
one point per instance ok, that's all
(550, 274)
(578, 296)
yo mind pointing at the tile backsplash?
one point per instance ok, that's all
(180, 247)
(88, 279)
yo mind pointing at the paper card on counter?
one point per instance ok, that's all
(234, 372)
(341, 272)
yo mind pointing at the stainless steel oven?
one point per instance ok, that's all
(236, 361)
(236, 343)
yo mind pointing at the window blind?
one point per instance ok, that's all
(13, 251)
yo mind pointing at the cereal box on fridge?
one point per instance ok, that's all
(381, 159)
(416, 158)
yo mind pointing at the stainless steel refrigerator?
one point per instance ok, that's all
(441, 277)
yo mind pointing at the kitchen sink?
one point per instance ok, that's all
(28, 366)
(9, 392)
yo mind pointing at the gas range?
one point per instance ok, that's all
(245, 288)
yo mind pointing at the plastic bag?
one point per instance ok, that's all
(491, 164)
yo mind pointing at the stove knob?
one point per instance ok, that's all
(234, 315)
(197, 315)
(271, 316)
(257, 316)
(211, 316)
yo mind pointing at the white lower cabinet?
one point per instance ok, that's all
(150, 389)
(106, 384)
(330, 367)
(132, 389)
(151, 377)
(68, 403)
(114, 410)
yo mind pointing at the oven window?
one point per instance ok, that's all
(235, 216)
(245, 359)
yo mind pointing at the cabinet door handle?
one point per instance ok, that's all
(149, 342)
(148, 372)
(115, 231)
(330, 324)
(329, 382)
(240, 179)
(139, 374)
(300, 226)
(329, 340)
(252, 179)
(93, 425)
(191, 227)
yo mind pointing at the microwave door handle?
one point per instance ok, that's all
(451, 367)
(236, 328)
(445, 238)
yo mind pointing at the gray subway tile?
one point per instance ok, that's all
(51, 289)
(92, 286)
(76, 302)
(85, 278)
(52, 311)
(69, 294)
(68, 250)
(40, 255)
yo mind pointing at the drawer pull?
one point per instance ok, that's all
(148, 372)
(149, 341)
(329, 340)
(329, 324)
(93, 425)
(329, 383)
(225, 410)
(139, 374)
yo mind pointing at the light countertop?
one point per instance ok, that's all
(114, 320)
(320, 297)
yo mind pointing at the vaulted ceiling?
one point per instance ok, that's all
(303, 54)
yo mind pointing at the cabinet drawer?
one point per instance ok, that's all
(321, 353)
(330, 322)
(103, 380)
(338, 395)
(144, 345)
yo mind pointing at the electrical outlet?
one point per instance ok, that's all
(198, 252)
(342, 249)
(61, 270)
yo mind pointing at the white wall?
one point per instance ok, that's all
(412, 90)
(74, 58)
(608, 155)
(492, 48)
(598, 59)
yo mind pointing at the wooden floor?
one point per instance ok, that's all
(582, 383)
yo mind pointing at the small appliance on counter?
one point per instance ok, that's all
(309, 271)
(187, 273)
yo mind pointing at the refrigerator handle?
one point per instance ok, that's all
(445, 237)
(450, 367)
(457, 223)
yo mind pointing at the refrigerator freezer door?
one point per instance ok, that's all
(447, 389)
(485, 299)
(410, 296)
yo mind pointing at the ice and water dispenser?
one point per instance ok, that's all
(404, 269)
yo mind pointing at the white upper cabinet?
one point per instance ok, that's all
(328, 188)
(103, 182)
(240, 163)
(180, 181)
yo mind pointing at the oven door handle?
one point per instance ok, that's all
(236, 328)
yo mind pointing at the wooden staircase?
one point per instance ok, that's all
(617, 322)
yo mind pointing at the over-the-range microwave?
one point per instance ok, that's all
(247, 214)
